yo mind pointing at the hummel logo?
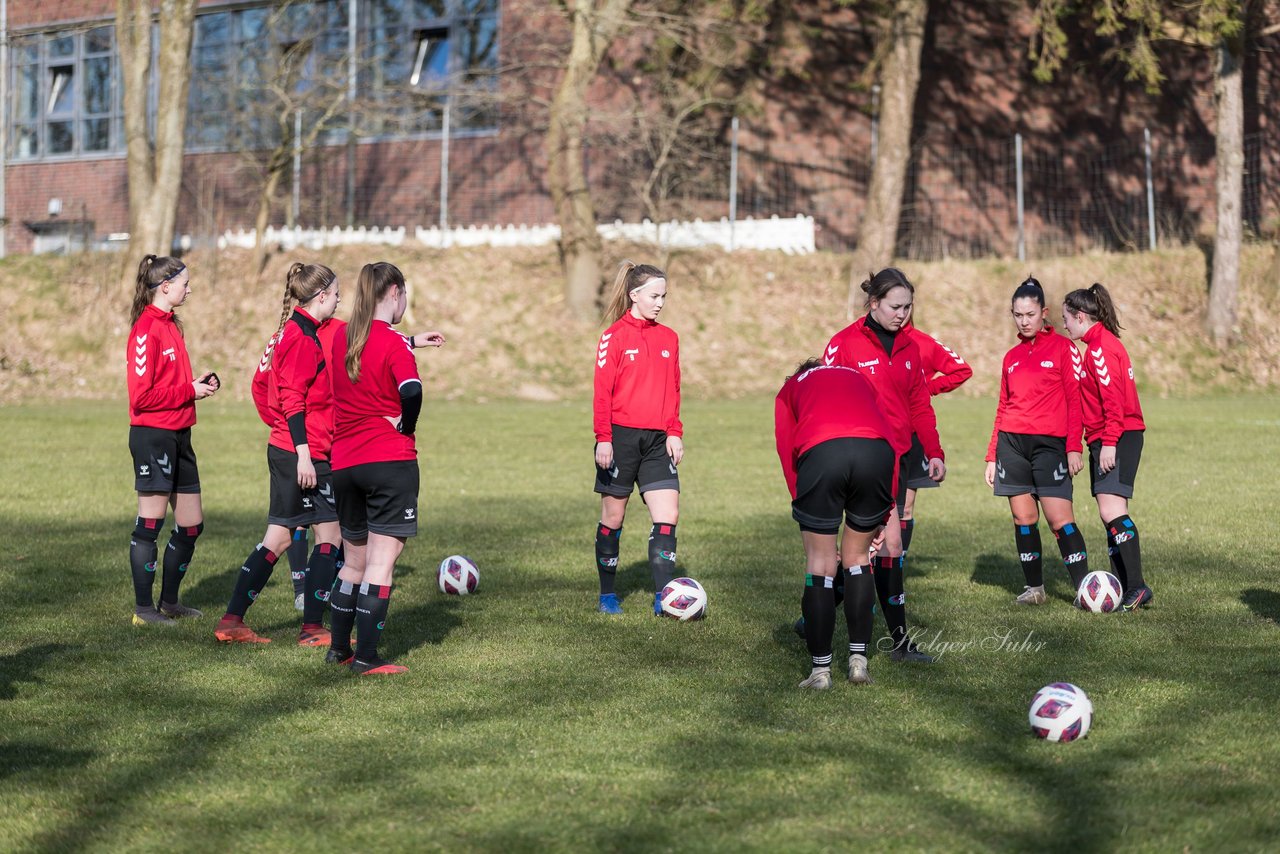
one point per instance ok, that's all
(410, 513)
(165, 467)
(143, 471)
(326, 490)
(1000, 469)
(631, 353)
(169, 353)
(1060, 472)
(1046, 364)
(1011, 367)
(307, 503)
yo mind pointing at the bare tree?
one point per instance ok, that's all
(154, 165)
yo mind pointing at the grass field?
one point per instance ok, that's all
(530, 722)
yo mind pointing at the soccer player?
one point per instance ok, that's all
(1113, 428)
(944, 371)
(377, 397)
(875, 346)
(636, 411)
(162, 408)
(838, 463)
(1035, 445)
(293, 377)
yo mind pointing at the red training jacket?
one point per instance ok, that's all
(637, 382)
(260, 389)
(361, 432)
(944, 370)
(160, 390)
(298, 382)
(1108, 392)
(899, 381)
(1040, 390)
(820, 404)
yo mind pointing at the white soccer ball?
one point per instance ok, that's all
(684, 599)
(1100, 592)
(1060, 712)
(458, 575)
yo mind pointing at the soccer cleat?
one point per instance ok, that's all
(609, 604)
(299, 601)
(799, 627)
(1032, 596)
(910, 652)
(149, 616)
(237, 632)
(376, 667)
(338, 656)
(177, 610)
(858, 674)
(314, 637)
(1138, 597)
(819, 679)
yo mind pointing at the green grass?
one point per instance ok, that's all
(529, 722)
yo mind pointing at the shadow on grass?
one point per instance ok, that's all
(1265, 604)
(25, 758)
(25, 666)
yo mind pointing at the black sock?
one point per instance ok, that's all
(1074, 555)
(342, 614)
(1117, 561)
(297, 554)
(252, 578)
(819, 609)
(860, 597)
(838, 589)
(908, 527)
(607, 556)
(1027, 539)
(371, 618)
(177, 557)
(142, 559)
(1124, 533)
(892, 597)
(319, 577)
(662, 554)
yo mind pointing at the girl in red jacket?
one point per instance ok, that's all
(162, 408)
(637, 425)
(1035, 443)
(295, 398)
(876, 347)
(1113, 427)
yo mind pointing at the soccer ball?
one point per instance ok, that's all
(1100, 592)
(1060, 712)
(684, 599)
(458, 575)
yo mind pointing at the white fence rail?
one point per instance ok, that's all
(793, 235)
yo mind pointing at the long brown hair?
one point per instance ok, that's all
(371, 286)
(1096, 302)
(302, 284)
(877, 285)
(152, 272)
(630, 276)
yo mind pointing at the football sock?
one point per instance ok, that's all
(819, 609)
(908, 527)
(860, 596)
(888, 581)
(142, 559)
(1124, 533)
(371, 618)
(607, 549)
(838, 589)
(1027, 538)
(662, 554)
(342, 614)
(319, 575)
(252, 578)
(297, 554)
(177, 557)
(1074, 555)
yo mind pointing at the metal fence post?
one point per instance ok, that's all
(733, 183)
(1022, 236)
(353, 21)
(295, 208)
(1151, 194)
(444, 171)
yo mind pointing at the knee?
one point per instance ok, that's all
(1028, 519)
(277, 544)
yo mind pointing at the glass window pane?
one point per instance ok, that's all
(26, 51)
(253, 23)
(62, 46)
(61, 91)
(477, 7)
(28, 106)
(97, 85)
(61, 137)
(428, 10)
(97, 135)
(431, 61)
(480, 44)
(25, 142)
(213, 29)
(387, 12)
(211, 59)
(98, 41)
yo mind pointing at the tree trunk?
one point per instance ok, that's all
(900, 77)
(154, 168)
(1224, 286)
(580, 247)
(275, 171)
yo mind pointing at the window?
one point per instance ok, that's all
(66, 98)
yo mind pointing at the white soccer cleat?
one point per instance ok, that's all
(1032, 596)
(819, 679)
(858, 674)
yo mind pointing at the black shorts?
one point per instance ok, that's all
(848, 477)
(1032, 464)
(639, 457)
(163, 460)
(918, 467)
(1118, 481)
(290, 506)
(377, 498)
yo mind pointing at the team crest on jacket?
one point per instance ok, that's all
(666, 354)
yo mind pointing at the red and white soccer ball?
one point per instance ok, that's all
(684, 599)
(1100, 592)
(1060, 712)
(458, 575)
